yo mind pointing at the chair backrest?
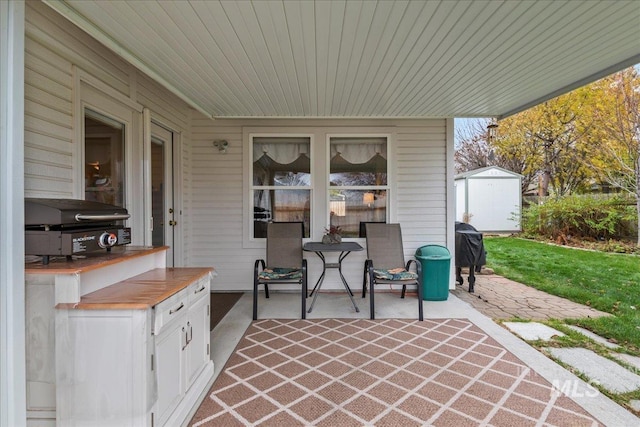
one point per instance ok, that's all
(384, 246)
(363, 227)
(284, 244)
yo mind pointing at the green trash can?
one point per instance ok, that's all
(436, 269)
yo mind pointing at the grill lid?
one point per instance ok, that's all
(73, 212)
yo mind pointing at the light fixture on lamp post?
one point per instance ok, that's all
(492, 129)
(368, 199)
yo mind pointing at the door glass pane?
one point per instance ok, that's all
(104, 159)
(157, 191)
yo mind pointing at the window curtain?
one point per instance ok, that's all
(359, 150)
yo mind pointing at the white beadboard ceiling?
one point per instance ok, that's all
(274, 58)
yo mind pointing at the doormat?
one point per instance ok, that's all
(221, 303)
(386, 372)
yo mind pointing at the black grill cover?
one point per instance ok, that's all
(469, 246)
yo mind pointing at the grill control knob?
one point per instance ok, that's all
(107, 240)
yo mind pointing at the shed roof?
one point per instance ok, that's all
(483, 171)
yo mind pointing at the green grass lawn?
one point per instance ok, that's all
(605, 281)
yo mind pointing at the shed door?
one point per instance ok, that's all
(494, 203)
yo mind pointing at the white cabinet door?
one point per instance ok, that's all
(103, 368)
(170, 345)
(197, 352)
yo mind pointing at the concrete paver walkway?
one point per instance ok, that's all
(500, 298)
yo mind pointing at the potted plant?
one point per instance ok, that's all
(332, 235)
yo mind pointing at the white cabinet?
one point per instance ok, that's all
(182, 347)
(170, 366)
(104, 377)
(198, 351)
(128, 363)
(63, 281)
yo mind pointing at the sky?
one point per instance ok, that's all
(463, 122)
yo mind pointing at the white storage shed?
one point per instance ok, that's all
(490, 199)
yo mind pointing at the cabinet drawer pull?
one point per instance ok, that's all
(197, 291)
(175, 310)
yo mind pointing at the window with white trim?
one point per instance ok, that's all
(358, 184)
(280, 181)
(104, 159)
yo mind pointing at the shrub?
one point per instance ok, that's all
(580, 217)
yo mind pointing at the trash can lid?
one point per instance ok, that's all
(433, 252)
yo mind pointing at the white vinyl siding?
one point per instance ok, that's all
(421, 163)
(48, 123)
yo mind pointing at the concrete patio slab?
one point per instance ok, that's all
(596, 338)
(532, 331)
(607, 373)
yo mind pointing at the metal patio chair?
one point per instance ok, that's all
(385, 263)
(284, 261)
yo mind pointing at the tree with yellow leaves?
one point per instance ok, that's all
(617, 132)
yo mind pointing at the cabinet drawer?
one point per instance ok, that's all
(170, 310)
(199, 289)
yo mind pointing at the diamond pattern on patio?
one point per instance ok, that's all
(354, 372)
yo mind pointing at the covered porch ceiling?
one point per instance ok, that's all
(395, 59)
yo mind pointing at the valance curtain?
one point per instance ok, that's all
(357, 153)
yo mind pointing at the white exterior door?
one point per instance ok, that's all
(162, 201)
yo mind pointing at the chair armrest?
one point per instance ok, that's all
(418, 267)
(256, 266)
(368, 266)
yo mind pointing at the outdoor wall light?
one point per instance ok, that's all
(221, 144)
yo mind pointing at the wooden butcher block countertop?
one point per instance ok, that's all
(139, 292)
(91, 260)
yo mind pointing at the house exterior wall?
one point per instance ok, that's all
(418, 158)
(210, 190)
